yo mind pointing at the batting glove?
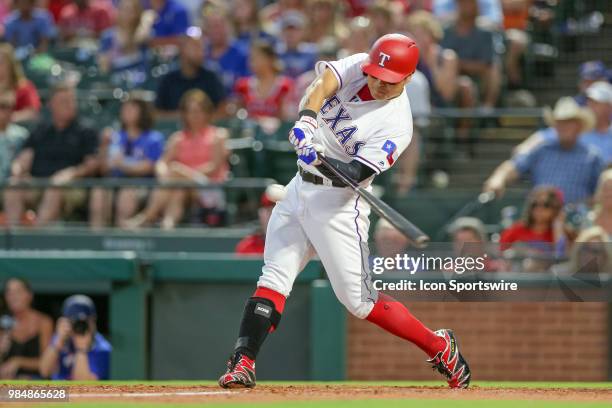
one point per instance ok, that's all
(309, 153)
(303, 131)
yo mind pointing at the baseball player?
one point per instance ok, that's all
(356, 112)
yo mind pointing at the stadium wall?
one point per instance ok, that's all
(504, 341)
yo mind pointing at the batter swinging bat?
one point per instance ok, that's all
(411, 231)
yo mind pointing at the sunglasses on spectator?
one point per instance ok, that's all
(6, 106)
(545, 204)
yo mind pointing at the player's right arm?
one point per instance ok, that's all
(323, 87)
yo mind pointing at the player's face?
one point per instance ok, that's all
(382, 90)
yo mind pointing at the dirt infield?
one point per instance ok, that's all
(270, 393)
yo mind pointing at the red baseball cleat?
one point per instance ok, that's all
(240, 372)
(450, 363)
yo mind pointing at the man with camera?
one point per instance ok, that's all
(77, 351)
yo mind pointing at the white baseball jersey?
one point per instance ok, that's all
(333, 222)
(372, 132)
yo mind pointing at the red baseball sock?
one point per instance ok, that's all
(274, 297)
(395, 318)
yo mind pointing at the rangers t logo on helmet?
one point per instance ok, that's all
(383, 58)
(392, 59)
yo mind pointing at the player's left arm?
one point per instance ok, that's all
(323, 87)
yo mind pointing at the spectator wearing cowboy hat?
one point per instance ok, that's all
(557, 159)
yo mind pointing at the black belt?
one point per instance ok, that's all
(314, 179)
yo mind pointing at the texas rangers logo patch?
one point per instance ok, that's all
(391, 149)
(383, 58)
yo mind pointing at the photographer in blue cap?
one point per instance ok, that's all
(77, 351)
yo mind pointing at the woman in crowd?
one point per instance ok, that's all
(130, 152)
(123, 48)
(591, 253)
(196, 153)
(601, 215)
(264, 94)
(538, 229)
(12, 79)
(24, 334)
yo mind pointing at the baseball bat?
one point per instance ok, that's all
(411, 231)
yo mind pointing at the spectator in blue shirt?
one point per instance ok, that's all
(130, 152)
(477, 51)
(224, 56)
(171, 23)
(561, 162)
(599, 100)
(29, 27)
(123, 50)
(297, 56)
(490, 10)
(77, 351)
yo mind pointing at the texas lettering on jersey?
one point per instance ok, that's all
(334, 121)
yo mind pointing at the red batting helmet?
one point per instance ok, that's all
(393, 57)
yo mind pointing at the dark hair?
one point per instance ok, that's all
(60, 87)
(268, 51)
(146, 115)
(552, 195)
(23, 282)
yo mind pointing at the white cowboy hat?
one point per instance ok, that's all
(567, 108)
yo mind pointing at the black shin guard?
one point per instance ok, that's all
(259, 315)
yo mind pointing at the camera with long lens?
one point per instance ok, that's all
(80, 325)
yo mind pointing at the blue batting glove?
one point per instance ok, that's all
(309, 154)
(302, 132)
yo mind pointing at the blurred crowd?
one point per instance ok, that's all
(207, 61)
(33, 346)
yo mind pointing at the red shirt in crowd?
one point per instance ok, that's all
(519, 232)
(251, 245)
(91, 21)
(26, 97)
(55, 7)
(270, 105)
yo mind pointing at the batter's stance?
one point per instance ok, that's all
(358, 113)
